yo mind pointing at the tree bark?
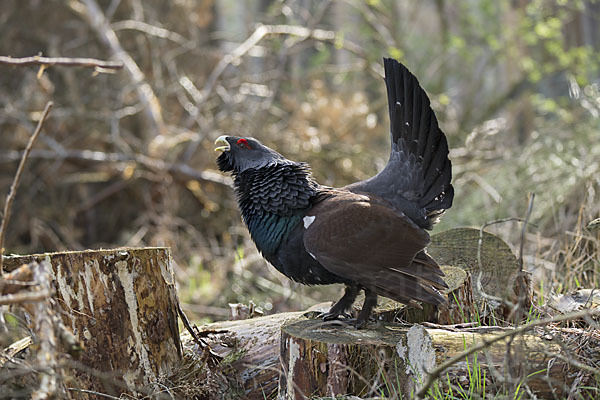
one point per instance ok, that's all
(121, 305)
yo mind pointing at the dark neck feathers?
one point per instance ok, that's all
(272, 200)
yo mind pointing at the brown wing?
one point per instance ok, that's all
(373, 245)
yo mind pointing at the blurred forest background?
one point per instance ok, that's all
(126, 159)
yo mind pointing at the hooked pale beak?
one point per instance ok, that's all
(222, 139)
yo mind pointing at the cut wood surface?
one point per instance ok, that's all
(488, 259)
(122, 306)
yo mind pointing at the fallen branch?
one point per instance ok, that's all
(99, 65)
(13, 188)
(17, 280)
(435, 374)
(45, 327)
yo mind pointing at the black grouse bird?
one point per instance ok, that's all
(369, 235)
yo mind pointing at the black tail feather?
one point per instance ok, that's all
(414, 122)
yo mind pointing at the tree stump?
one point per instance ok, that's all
(324, 359)
(122, 307)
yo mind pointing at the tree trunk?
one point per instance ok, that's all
(121, 305)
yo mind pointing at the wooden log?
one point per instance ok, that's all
(324, 359)
(287, 356)
(122, 306)
(254, 346)
(496, 277)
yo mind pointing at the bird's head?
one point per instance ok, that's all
(243, 153)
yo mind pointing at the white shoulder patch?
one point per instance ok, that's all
(308, 220)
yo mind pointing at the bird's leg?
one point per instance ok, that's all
(342, 305)
(363, 316)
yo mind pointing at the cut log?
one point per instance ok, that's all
(253, 345)
(122, 306)
(497, 279)
(287, 356)
(324, 359)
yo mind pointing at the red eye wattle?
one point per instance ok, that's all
(243, 143)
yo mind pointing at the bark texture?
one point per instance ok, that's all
(122, 307)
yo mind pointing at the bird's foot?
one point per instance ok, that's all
(333, 314)
(351, 322)
(344, 318)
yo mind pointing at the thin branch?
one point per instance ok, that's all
(259, 34)
(62, 61)
(98, 21)
(107, 396)
(574, 362)
(522, 282)
(524, 229)
(176, 169)
(485, 343)
(45, 331)
(150, 30)
(208, 354)
(16, 280)
(13, 189)
(24, 297)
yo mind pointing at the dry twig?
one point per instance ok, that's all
(13, 189)
(99, 23)
(45, 329)
(24, 297)
(98, 65)
(261, 32)
(154, 164)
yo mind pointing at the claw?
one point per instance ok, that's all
(331, 315)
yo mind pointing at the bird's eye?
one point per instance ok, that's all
(243, 143)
